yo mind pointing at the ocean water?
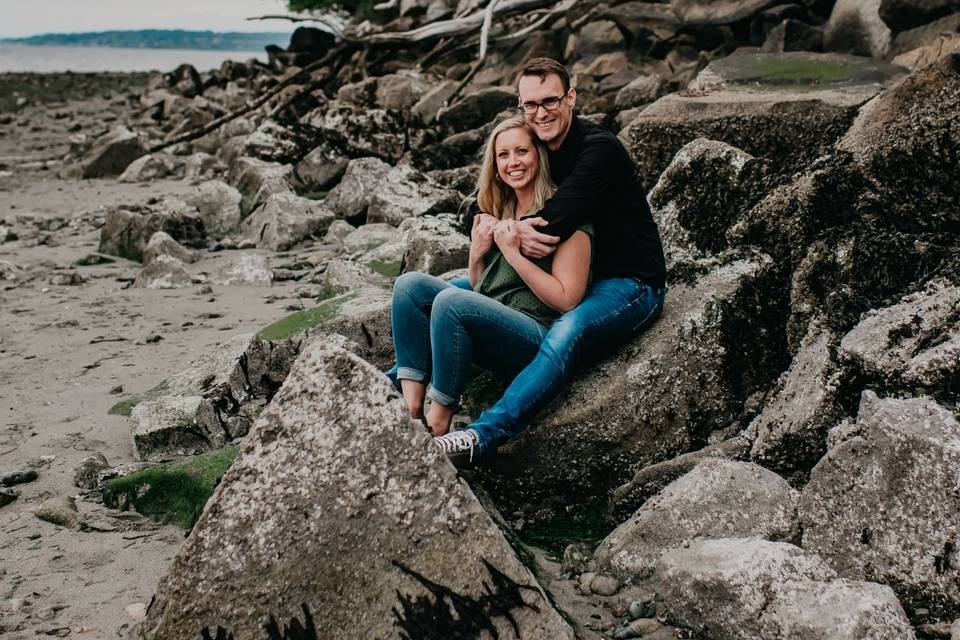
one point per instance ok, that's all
(21, 58)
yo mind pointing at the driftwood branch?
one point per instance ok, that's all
(454, 27)
(336, 28)
(485, 28)
(199, 132)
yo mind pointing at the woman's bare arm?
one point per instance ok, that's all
(564, 287)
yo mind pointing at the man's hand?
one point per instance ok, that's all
(481, 234)
(534, 244)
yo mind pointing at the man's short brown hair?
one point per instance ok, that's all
(543, 67)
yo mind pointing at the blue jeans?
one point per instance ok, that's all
(614, 311)
(441, 328)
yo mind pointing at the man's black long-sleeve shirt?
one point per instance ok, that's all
(597, 182)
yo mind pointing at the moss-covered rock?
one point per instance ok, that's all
(174, 491)
(302, 321)
(125, 406)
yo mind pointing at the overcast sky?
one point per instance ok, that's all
(30, 17)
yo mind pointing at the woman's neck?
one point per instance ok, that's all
(524, 200)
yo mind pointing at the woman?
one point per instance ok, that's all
(440, 329)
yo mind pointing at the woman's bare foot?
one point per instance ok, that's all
(439, 418)
(413, 394)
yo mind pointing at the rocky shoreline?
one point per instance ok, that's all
(772, 460)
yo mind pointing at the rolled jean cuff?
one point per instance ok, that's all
(442, 398)
(406, 373)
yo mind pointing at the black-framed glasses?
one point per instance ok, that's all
(548, 104)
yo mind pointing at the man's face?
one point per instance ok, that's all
(551, 126)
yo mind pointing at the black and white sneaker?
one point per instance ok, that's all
(461, 447)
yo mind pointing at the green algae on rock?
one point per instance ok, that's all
(174, 491)
(307, 319)
(125, 406)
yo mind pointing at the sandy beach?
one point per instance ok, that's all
(71, 351)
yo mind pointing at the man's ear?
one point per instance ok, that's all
(572, 97)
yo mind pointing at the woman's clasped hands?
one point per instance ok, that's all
(507, 237)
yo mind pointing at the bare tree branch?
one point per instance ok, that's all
(193, 134)
(485, 29)
(455, 26)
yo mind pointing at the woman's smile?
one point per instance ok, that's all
(516, 158)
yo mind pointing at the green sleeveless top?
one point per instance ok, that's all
(501, 282)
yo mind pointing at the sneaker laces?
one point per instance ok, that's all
(458, 441)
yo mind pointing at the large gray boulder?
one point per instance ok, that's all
(434, 244)
(744, 589)
(285, 220)
(342, 276)
(173, 426)
(373, 191)
(153, 166)
(654, 478)
(905, 142)
(127, 230)
(213, 399)
(163, 272)
(363, 316)
(323, 167)
(112, 153)
(788, 108)
(351, 197)
(362, 132)
(717, 499)
(219, 206)
(882, 503)
(790, 433)
(161, 244)
(367, 238)
(372, 551)
(718, 341)
(706, 187)
(244, 268)
(478, 108)
(257, 180)
(914, 343)
(855, 26)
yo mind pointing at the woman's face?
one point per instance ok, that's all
(516, 158)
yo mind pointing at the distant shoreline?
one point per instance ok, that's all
(158, 39)
(21, 58)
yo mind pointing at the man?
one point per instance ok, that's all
(597, 182)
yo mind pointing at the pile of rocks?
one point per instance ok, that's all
(770, 456)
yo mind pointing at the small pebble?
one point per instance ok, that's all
(605, 585)
(205, 290)
(644, 626)
(7, 496)
(136, 611)
(643, 608)
(60, 511)
(117, 389)
(153, 338)
(584, 582)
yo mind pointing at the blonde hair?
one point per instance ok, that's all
(495, 197)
